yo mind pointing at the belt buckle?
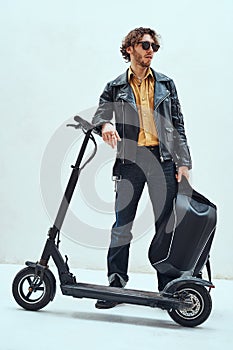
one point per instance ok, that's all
(117, 178)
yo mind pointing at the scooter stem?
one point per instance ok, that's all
(70, 186)
(55, 229)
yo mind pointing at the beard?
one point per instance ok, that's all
(139, 60)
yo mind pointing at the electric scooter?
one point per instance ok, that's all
(186, 299)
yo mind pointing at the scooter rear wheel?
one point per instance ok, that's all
(30, 291)
(200, 309)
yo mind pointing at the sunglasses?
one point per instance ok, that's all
(146, 45)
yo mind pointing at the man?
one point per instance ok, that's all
(151, 146)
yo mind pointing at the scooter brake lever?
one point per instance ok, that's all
(76, 126)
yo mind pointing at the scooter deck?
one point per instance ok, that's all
(123, 295)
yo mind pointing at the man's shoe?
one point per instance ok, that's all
(105, 304)
(108, 304)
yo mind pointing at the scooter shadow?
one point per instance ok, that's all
(131, 320)
(123, 319)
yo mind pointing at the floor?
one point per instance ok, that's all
(67, 322)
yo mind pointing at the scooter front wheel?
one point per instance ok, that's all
(30, 291)
(200, 309)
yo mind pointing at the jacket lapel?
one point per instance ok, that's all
(126, 93)
(160, 91)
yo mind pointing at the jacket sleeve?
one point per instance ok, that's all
(104, 112)
(182, 153)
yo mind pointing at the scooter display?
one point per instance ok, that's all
(186, 299)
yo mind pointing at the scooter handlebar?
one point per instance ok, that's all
(81, 124)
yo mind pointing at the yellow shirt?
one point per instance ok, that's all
(144, 94)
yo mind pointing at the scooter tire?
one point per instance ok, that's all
(199, 312)
(28, 297)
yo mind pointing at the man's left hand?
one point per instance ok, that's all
(182, 171)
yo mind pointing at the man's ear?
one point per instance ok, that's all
(129, 49)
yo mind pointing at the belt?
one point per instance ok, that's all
(152, 148)
(149, 147)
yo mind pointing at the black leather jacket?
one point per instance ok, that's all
(117, 100)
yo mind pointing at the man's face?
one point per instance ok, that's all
(138, 55)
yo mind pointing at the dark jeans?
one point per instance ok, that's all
(162, 188)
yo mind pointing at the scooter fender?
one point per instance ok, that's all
(48, 273)
(172, 286)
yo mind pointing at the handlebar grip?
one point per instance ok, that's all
(83, 123)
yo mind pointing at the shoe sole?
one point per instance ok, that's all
(106, 307)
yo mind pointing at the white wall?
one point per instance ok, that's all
(56, 57)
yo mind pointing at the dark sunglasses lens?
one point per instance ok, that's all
(145, 45)
(155, 47)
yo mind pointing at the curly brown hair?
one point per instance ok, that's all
(134, 37)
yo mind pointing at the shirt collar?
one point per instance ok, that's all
(148, 74)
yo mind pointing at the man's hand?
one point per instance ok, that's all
(182, 171)
(110, 135)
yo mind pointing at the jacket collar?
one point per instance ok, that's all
(126, 93)
(123, 78)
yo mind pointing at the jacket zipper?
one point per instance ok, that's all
(123, 130)
(160, 151)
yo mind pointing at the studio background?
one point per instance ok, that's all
(56, 57)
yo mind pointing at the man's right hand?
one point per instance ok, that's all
(110, 135)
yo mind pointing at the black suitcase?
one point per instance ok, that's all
(182, 244)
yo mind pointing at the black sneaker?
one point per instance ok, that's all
(108, 304)
(105, 304)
